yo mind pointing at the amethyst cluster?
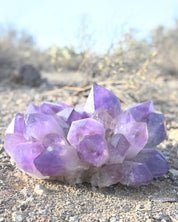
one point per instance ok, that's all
(94, 142)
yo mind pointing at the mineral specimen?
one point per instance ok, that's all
(94, 142)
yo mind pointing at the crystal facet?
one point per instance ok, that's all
(107, 175)
(90, 153)
(24, 155)
(118, 148)
(94, 142)
(52, 108)
(11, 141)
(32, 109)
(154, 160)
(38, 125)
(85, 127)
(135, 174)
(135, 132)
(155, 125)
(142, 110)
(16, 125)
(101, 98)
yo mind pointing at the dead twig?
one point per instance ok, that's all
(81, 89)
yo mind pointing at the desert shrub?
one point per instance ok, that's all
(132, 56)
(18, 48)
(126, 57)
(166, 43)
(64, 58)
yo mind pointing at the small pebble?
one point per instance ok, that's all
(112, 219)
(17, 217)
(39, 189)
(74, 218)
(174, 172)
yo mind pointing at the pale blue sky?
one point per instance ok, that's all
(57, 21)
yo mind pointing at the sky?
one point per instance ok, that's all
(59, 22)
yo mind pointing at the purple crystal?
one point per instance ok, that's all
(11, 141)
(24, 155)
(90, 153)
(156, 129)
(69, 115)
(145, 112)
(135, 174)
(118, 148)
(142, 110)
(154, 160)
(101, 98)
(103, 117)
(123, 119)
(17, 124)
(135, 132)
(38, 125)
(52, 139)
(80, 109)
(85, 127)
(52, 108)
(94, 142)
(107, 175)
(32, 109)
(58, 158)
(50, 161)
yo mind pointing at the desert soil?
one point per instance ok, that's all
(23, 198)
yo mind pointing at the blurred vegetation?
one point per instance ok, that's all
(128, 56)
(18, 48)
(131, 56)
(64, 58)
(165, 41)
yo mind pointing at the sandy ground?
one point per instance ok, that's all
(25, 199)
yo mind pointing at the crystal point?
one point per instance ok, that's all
(101, 98)
(156, 129)
(24, 155)
(84, 127)
(154, 160)
(69, 115)
(32, 109)
(16, 125)
(142, 110)
(89, 152)
(59, 159)
(118, 148)
(102, 116)
(135, 132)
(135, 174)
(107, 175)
(52, 108)
(11, 141)
(38, 125)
